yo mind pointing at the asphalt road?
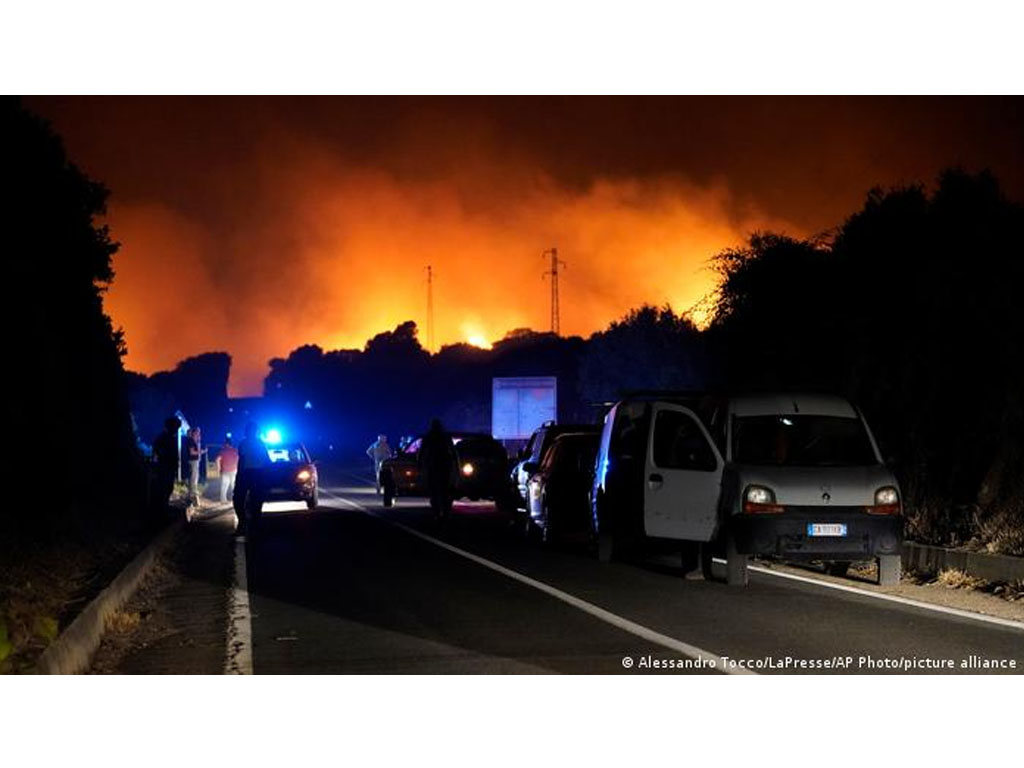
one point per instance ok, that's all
(355, 588)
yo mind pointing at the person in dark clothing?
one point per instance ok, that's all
(165, 454)
(437, 461)
(193, 453)
(252, 457)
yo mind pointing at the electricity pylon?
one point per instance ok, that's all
(553, 271)
(430, 309)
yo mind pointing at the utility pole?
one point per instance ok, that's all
(553, 271)
(430, 309)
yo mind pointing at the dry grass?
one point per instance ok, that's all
(954, 578)
(121, 622)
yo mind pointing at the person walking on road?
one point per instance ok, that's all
(227, 466)
(437, 460)
(252, 457)
(165, 454)
(378, 452)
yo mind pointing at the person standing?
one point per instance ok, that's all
(438, 460)
(192, 453)
(227, 467)
(378, 452)
(165, 454)
(252, 457)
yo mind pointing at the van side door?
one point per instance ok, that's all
(683, 476)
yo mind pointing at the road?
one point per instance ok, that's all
(355, 588)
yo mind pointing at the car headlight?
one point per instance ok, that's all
(303, 475)
(887, 496)
(467, 469)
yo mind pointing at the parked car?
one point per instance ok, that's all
(400, 475)
(481, 471)
(796, 476)
(559, 493)
(532, 456)
(482, 468)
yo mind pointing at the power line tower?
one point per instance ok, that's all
(553, 271)
(430, 309)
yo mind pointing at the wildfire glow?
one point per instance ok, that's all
(478, 341)
(361, 237)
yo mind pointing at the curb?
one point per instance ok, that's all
(71, 652)
(923, 557)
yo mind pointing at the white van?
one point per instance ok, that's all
(797, 476)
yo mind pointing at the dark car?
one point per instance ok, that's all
(400, 475)
(481, 470)
(531, 457)
(559, 493)
(290, 475)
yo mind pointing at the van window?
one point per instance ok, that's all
(801, 441)
(680, 444)
(629, 431)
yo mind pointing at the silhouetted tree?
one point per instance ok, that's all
(648, 349)
(64, 411)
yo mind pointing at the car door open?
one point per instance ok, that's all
(683, 472)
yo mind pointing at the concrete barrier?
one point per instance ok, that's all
(72, 651)
(929, 559)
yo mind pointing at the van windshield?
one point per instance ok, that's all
(801, 441)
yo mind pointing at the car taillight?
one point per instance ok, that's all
(758, 500)
(887, 502)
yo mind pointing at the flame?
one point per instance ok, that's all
(478, 340)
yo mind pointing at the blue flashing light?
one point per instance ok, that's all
(272, 436)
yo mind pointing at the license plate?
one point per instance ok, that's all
(826, 529)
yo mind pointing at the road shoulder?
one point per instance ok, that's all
(177, 621)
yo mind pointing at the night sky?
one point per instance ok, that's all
(255, 225)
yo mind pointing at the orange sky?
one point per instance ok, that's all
(256, 225)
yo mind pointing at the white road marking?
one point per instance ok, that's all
(608, 617)
(239, 650)
(891, 598)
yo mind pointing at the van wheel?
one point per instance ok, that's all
(735, 564)
(314, 502)
(605, 547)
(837, 568)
